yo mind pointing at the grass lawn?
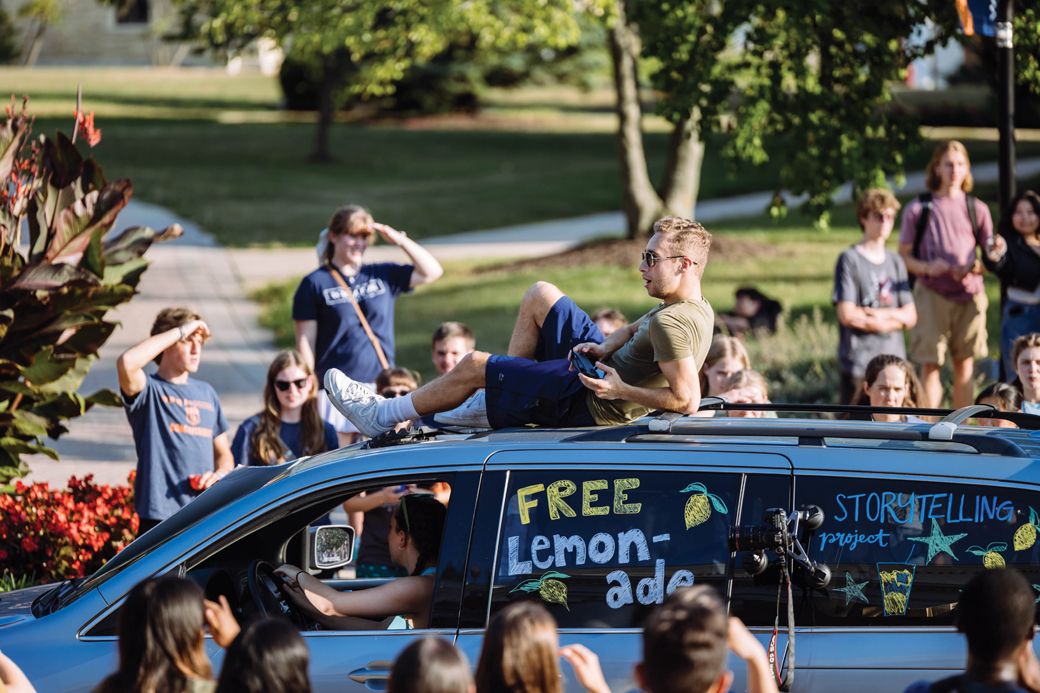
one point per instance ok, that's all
(217, 150)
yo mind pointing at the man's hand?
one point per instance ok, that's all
(996, 247)
(590, 349)
(193, 328)
(392, 494)
(222, 624)
(206, 480)
(743, 644)
(610, 386)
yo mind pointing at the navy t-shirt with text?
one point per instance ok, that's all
(289, 433)
(174, 427)
(341, 341)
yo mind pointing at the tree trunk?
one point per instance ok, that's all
(326, 111)
(683, 177)
(36, 44)
(642, 204)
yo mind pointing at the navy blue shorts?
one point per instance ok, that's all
(543, 391)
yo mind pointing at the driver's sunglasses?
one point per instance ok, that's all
(391, 392)
(650, 259)
(284, 385)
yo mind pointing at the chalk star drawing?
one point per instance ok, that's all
(853, 590)
(938, 542)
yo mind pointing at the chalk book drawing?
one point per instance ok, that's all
(896, 581)
(550, 587)
(699, 505)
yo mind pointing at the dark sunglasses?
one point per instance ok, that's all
(650, 259)
(391, 392)
(284, 385)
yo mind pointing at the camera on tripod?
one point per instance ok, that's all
(779, 533)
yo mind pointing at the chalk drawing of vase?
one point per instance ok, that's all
(896, 581)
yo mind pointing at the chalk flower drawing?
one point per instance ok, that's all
(1025, 536)
(938, 542)
(853, 590)
(550, 587)
(896, 583)
(991, 557)
(698, 506)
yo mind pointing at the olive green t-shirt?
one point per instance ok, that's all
(669, 332)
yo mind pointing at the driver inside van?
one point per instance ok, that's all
(414, 542)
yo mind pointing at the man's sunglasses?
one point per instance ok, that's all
(284, 385)
(650, 259)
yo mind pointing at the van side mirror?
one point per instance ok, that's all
(332, 546)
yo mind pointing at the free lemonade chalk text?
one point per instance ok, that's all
(891, 508)
(562, 551)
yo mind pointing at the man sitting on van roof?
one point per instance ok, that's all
(650, 364)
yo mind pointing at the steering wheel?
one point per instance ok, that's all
(269, 596)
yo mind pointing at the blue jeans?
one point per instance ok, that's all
(1018, 319)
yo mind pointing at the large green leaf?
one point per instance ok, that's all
(106, 398)
(132, 243)
(42, 276)
(46, 368)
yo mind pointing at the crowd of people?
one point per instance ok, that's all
(668, 359)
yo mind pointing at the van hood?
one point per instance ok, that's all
(16, 605)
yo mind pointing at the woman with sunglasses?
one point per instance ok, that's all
(330, 301)
(415, 543)
(289, 425)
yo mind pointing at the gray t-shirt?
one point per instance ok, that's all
(869, 285)
(174, 427)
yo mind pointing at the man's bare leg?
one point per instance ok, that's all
(538, 300)
(932, 384)
(454, 387)
(963, 389)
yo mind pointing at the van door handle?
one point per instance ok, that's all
(374, 675)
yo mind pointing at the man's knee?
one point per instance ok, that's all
(542, 294)
(470, 368)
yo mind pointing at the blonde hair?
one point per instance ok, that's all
(747, 378)
(349, 219)
(686, 238)
(932, 178)
(875, 200)
(265, 444)
(723, 347)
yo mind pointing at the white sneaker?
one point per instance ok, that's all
(355, 401)
(470, 414)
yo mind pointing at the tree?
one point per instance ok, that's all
(41, 13)
(56, 292)
(363, 48)
(811, 73)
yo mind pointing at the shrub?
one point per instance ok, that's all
(55, 534)
(800, 361)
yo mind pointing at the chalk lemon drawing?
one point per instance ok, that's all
(991, 557)
(550, 587)
(1025, 536)
(699, 505)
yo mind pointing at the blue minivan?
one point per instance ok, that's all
(600, 525)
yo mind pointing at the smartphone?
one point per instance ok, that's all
(585, 365)
(402, 488)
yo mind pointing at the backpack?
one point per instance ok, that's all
(922, 222)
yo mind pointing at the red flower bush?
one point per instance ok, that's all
(55, 535)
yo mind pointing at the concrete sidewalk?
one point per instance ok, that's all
(196, 272)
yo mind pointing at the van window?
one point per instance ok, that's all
(601, 549)
(900, 551)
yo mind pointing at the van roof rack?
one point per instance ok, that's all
(1005, 441)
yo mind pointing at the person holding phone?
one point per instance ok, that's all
(650, 364)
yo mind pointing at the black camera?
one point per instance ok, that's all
(779, 533)
(769, 535)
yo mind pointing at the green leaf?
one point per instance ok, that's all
(696, 487)
(106, 398)
(554, 574)
(29, 424)
(718, 504)
(48, 277)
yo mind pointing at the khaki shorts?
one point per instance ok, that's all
(947, 326)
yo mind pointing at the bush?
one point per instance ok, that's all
(55, 535)
(800, 361)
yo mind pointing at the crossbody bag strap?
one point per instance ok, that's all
(361, 316)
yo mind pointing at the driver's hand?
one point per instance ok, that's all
(288, 572)
(222, 624)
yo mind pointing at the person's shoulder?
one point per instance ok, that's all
(689, 312)
(316, 277)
